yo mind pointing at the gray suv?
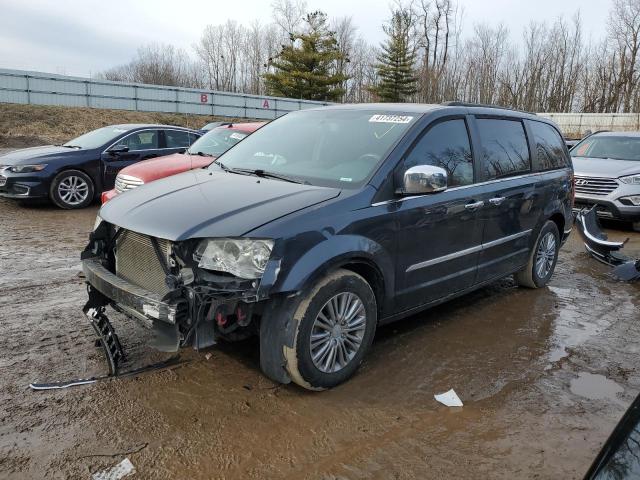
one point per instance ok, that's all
(607, 174)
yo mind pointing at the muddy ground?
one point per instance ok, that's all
(544, 376)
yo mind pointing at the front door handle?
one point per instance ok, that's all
(497, 201)
(474, 205)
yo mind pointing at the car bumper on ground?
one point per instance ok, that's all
(132, 298)
(608, 208)
(108, 195)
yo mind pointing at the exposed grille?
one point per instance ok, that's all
(595, 185)
(3, 181)
(137, 262)
(127, 182)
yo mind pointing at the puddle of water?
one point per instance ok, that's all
(595, 387)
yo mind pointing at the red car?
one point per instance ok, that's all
(200, 154)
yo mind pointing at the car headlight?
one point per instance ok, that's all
(243, 257)
(631, 179)
(27, 168)
(98, 222)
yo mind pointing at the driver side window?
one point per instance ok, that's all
(445, 145)
(143, 140)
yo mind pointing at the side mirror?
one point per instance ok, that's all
(423, 179)
(118, 149)
(182, 150)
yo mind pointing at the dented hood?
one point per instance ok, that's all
(206, 203)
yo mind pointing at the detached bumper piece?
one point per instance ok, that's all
(603, 250)
(106, 336)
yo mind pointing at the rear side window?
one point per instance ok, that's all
(445, 145)
(504, 148)
(143, 140)
(177, 139)
(549, 146)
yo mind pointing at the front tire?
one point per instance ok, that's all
(335, 325)
(72, 189)
(543, 258)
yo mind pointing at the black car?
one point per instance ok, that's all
(619, 458)
(72, 175)
(329, 222)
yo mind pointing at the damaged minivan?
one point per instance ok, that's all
(327, 223)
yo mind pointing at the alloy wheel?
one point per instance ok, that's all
(546, 254)
(73, 190)
(337, 332)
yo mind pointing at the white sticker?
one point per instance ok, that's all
(390, 119)
(346, 179)
(237, 136)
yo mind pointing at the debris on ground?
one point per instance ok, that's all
(450, 399)
(121, 470)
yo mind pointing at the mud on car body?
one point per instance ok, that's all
(328, 222)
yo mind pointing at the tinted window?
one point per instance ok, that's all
(144, 140)
(177, 139)
(608, 146)
(549, 146)
(445, 145)
(504, 148)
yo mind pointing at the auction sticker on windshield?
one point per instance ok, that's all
(390, 119)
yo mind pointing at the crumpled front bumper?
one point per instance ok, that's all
(125, 294)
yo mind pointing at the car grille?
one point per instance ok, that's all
(127, 182)
(3, 180)
(595, 185)
(137, 262)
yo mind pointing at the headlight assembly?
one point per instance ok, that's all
(26, 168)
(243, 257)
(631, 179)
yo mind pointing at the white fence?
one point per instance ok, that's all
(575, 125)
(17, 86)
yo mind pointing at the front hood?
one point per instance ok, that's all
(604, 167)
(155, 168)
(39, 154)
(204, 203)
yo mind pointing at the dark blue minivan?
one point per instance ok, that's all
(328, 222)
(73, 174)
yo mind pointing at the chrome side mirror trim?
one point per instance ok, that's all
(423, 179)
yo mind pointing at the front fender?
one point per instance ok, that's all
(332, 253)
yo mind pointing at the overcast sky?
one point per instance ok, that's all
(80, 37)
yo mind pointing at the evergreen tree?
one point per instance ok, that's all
(396, 60)
(306, 69)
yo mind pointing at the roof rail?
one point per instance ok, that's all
(483, 105)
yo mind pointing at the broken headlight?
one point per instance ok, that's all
(243, 257)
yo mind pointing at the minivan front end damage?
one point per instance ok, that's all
(189, 293)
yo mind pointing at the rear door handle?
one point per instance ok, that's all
(497, 201)
(474, 205)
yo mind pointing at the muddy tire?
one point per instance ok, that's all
(72, 189)
(335, 325)
(543, 258)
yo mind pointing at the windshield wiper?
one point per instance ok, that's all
(69, 146)
(201, 154)
(265, 174)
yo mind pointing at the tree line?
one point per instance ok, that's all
(427, 56)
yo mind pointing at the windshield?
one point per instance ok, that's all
(96, 138)
(338, 148)
(216, 141)
(605, 146)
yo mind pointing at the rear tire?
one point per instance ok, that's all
(72, 189)
(340, 313)
(543, 258)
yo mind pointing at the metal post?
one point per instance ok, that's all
(28, 90)
(135, 96)
(87, 93)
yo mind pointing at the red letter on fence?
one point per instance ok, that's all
(265, 104)
(204, 98)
